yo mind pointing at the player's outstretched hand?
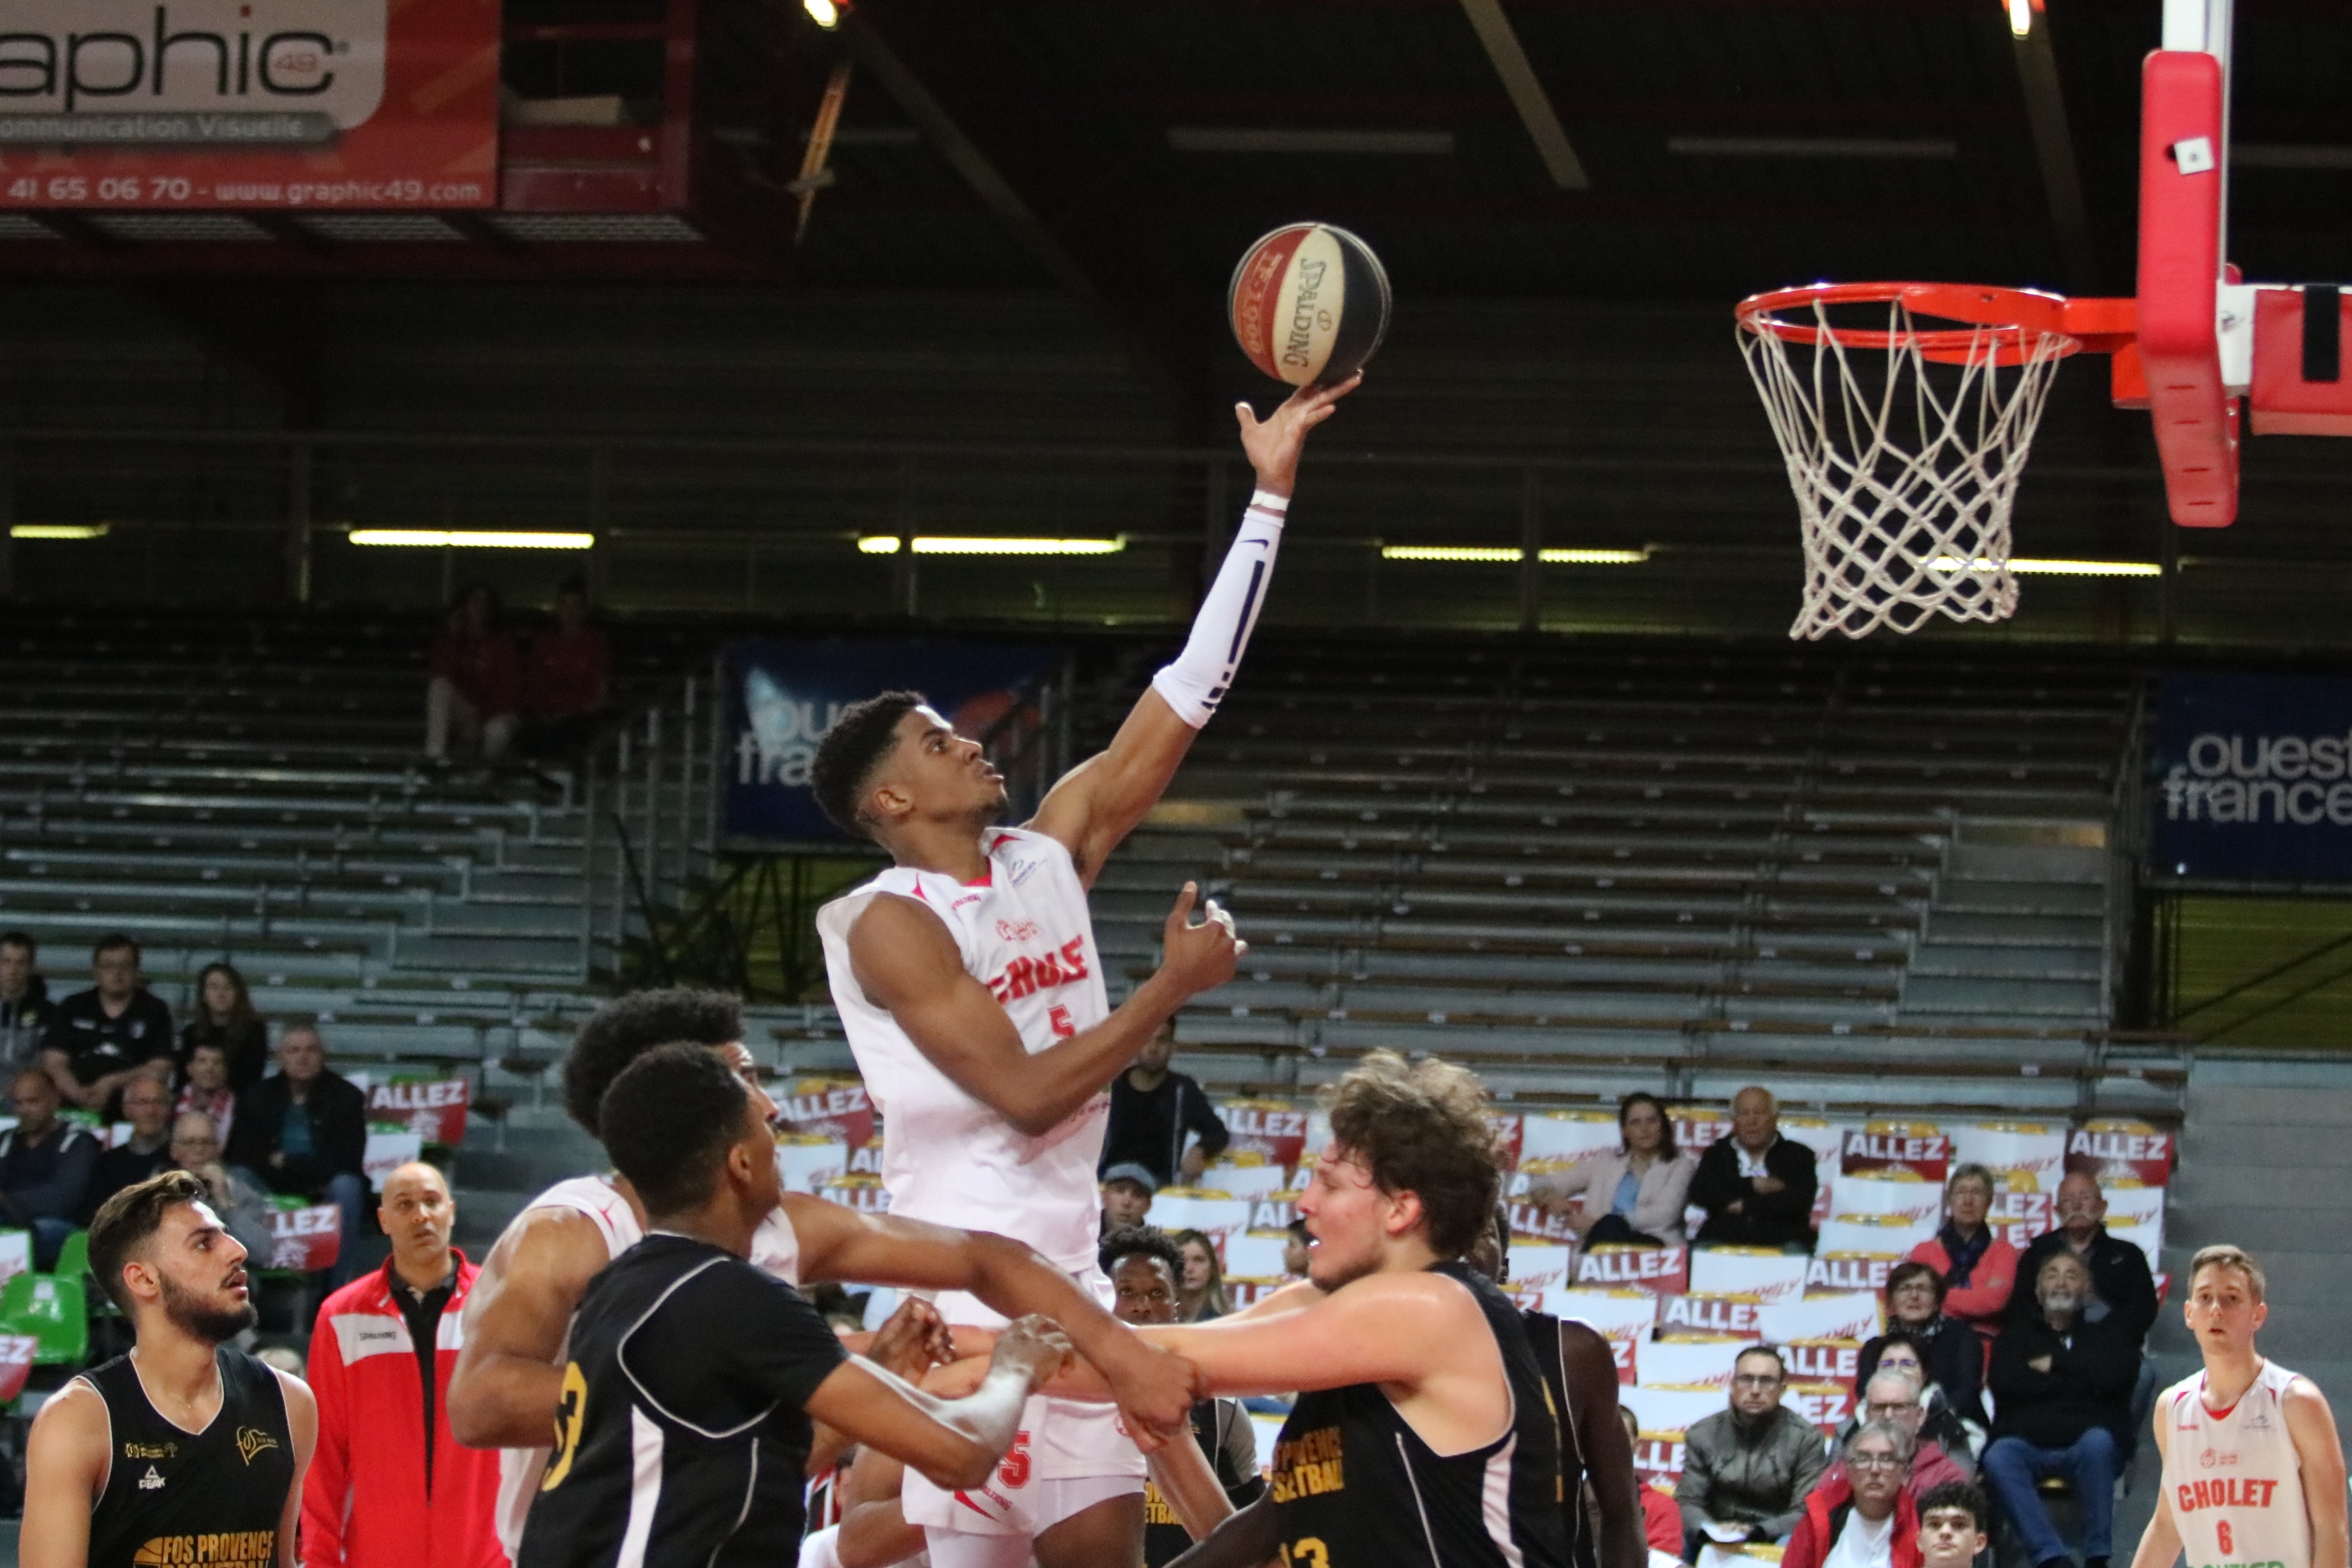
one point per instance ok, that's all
(1199, 957)
(1034, 1345)
(1156, 1390)
(1273, 444)
(911, 1340)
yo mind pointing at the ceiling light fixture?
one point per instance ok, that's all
(1594, 557)
(2033, 566)
(472, 539)
(824, 12)
(1283, 138)
(929, 544)
(1503, 553)
(58, 529)
(2021, 16)
(1813, 146)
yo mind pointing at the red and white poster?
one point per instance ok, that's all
(1736, 1316)
(433, 1109)
(1272, 1129)
(1917, 1150)
(16, 1364)
(1822, 1361)
(306, 1240)
(828, 1107)
(2116, 1151)
(1849, 1270)
(863, 1193)
(1657, 1270)
(1825, 1405)
(301, 104)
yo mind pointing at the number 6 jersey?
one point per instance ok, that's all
(2233, 1476)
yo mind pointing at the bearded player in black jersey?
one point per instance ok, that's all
(185, 1450)
(1423, 1434)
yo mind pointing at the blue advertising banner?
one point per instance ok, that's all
(2253, 778)
(781, 696)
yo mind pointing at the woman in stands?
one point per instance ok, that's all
(225, 1017)
(1977, 1265)
(1634, 1193)
(1949, 1355)
(1201, 1294)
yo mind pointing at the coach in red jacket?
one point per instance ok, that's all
(389, 1487)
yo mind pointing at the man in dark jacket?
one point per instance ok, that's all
(304, 1131)
(24, 1002)
(2062, 1390)
(1152, 1111)
(1756, 1186)
(147, 1106)
(45, 1166)
(2123, 1291)
(98, 1040)
(1747, 1470)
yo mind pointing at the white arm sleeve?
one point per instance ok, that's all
(1196, 681)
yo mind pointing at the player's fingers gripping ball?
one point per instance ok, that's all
(1309, 303)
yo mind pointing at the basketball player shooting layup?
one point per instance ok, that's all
(2254, 1473)
(972, 990)
(187, 1451)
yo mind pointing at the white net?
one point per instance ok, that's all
(1904, 468)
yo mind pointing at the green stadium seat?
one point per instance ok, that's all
(53, 1313)
(73, 1257)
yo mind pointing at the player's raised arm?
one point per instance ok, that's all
(1099, 803)
(955, 1442)
(509, 1379)
(907, 963)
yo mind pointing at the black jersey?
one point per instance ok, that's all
(1355, 1487)
(1577, 1522)
(214, 1497)
(680, 1440)
(1221, 1428)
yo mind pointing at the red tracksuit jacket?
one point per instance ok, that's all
(363, 1503)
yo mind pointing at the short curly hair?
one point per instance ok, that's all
(853, 746)
(1423, 1127)
(626, 1028)
(1140, 1241)
(669, 1117)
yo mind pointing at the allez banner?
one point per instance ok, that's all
(2251, 778)
(193, 104)
(306, 1240)
(781, 696)
(433, 1109)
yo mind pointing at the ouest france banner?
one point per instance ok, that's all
(188, 104)
(2252, 778)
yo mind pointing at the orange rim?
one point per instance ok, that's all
(2017, 318)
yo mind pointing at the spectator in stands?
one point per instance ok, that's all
(1635, 1193)
(242, 1202)
(1951, 1353)
(1127, 1191)
(567, 677)
(1661, 1521)
(304, 1131)
(1745, 1470)
(1142, 1265)
(1900, 1353)
(1756, 1186)
(101, 1038)
(388, 1486)
(1159, 1120)
(1297, 1252)
(1200, 1293)
(24, 1002)
(225, 1017)
(1895, 1396)
(1953, 1520)
(477, 682)
(147, 1106)
(207, 1088)
(2123, 1291)
(1978, 1265)
(44, 1168)
(1863, 1519)
(2062, 1390)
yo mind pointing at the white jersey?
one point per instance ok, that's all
(775, 1247)
(1024, 932)
(2232, 1476)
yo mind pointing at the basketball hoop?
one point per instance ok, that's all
(1905, 476)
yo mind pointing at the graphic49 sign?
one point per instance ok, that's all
(248, 103)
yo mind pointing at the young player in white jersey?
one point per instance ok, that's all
(2254, 1474)
(507, 1386)
(972, 990)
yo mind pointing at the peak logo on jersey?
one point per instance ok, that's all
(222, 1549)
(1025, 977)
(252, 1440)
(1309, 1465)
(151, 1450)
(151, 1481)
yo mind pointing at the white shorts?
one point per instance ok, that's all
(954, 1547)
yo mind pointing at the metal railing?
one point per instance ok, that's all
(648, 792)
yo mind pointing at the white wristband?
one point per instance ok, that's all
(1267, 500)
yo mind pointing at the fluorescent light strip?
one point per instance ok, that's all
(929, 545)
(471, 539)
(1499, 553)
(1813, 147)
(58, 529)
(2027, 565)
(1280, 139)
